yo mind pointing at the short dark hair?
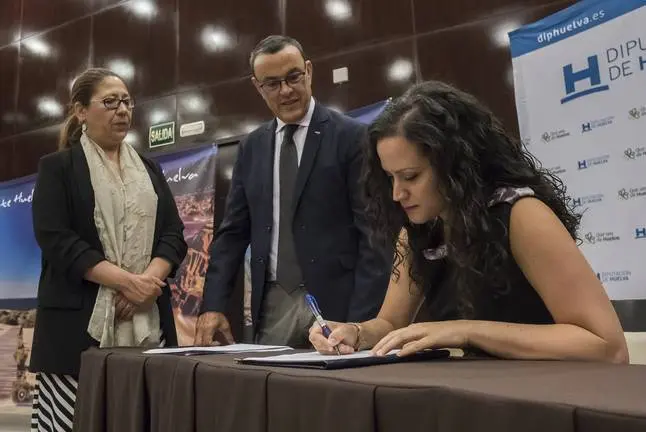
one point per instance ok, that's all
(271, 45)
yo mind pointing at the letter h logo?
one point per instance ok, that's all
(576, 202)
(592, 73)
(583, 164)
(640, 233)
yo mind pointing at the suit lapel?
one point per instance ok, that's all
(315, 134)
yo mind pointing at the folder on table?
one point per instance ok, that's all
(316, 360)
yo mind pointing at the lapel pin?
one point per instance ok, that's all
(317, 132)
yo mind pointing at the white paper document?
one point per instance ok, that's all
(313, 357)
(222, 349)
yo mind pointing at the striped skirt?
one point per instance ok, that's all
(53, 404)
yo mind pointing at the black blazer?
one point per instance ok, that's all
(63, 213)
(347, 276)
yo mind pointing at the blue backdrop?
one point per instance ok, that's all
(19, 253)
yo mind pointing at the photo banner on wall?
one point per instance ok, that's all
(19, 253)
(191, 178)
(580, 83)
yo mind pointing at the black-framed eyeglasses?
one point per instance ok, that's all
(273, 85)
(113, 103)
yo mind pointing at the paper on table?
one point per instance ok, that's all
(313, 357)
(223, 349)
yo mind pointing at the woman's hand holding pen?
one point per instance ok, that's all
(343, 336)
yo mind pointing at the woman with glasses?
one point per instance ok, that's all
(110, 235)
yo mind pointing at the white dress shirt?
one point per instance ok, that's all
(299, 139)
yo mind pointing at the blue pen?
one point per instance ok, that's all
(314, 307)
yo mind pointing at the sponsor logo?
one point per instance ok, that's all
(596, 161)
(600, 237)
(634, 153)
(591, 74)
(548, 137)
(640, 233)
(637, 113)
(557, 170)
(630, 193)
(587, 199)
(614, 276)
(599, 70)
(596, 124)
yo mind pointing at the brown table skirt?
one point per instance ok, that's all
(123, 390)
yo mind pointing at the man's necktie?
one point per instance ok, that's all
(288, 271)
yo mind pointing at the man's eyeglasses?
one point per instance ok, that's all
(273, 85)
(112, 103)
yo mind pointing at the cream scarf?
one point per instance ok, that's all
(125, 210)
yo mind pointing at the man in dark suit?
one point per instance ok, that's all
(295, 197)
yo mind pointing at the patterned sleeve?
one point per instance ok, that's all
(510, 195)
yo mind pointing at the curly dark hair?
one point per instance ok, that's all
(471, 156)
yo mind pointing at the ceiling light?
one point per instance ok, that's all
(38, 47)
(158, 116)
(50, 107)
(400, 70)
(216, 39)
(338, 10)
(143, 8)
(124, 68)
(194, 103)
(501, 33)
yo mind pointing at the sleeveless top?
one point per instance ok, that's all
(516, 302)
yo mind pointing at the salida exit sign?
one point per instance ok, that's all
(161, 135)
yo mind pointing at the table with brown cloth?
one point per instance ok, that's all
(124, 390)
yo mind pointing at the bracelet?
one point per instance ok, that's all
(358, 342)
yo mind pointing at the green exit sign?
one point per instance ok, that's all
(161, 135)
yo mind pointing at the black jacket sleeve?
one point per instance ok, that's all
(52, 219)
